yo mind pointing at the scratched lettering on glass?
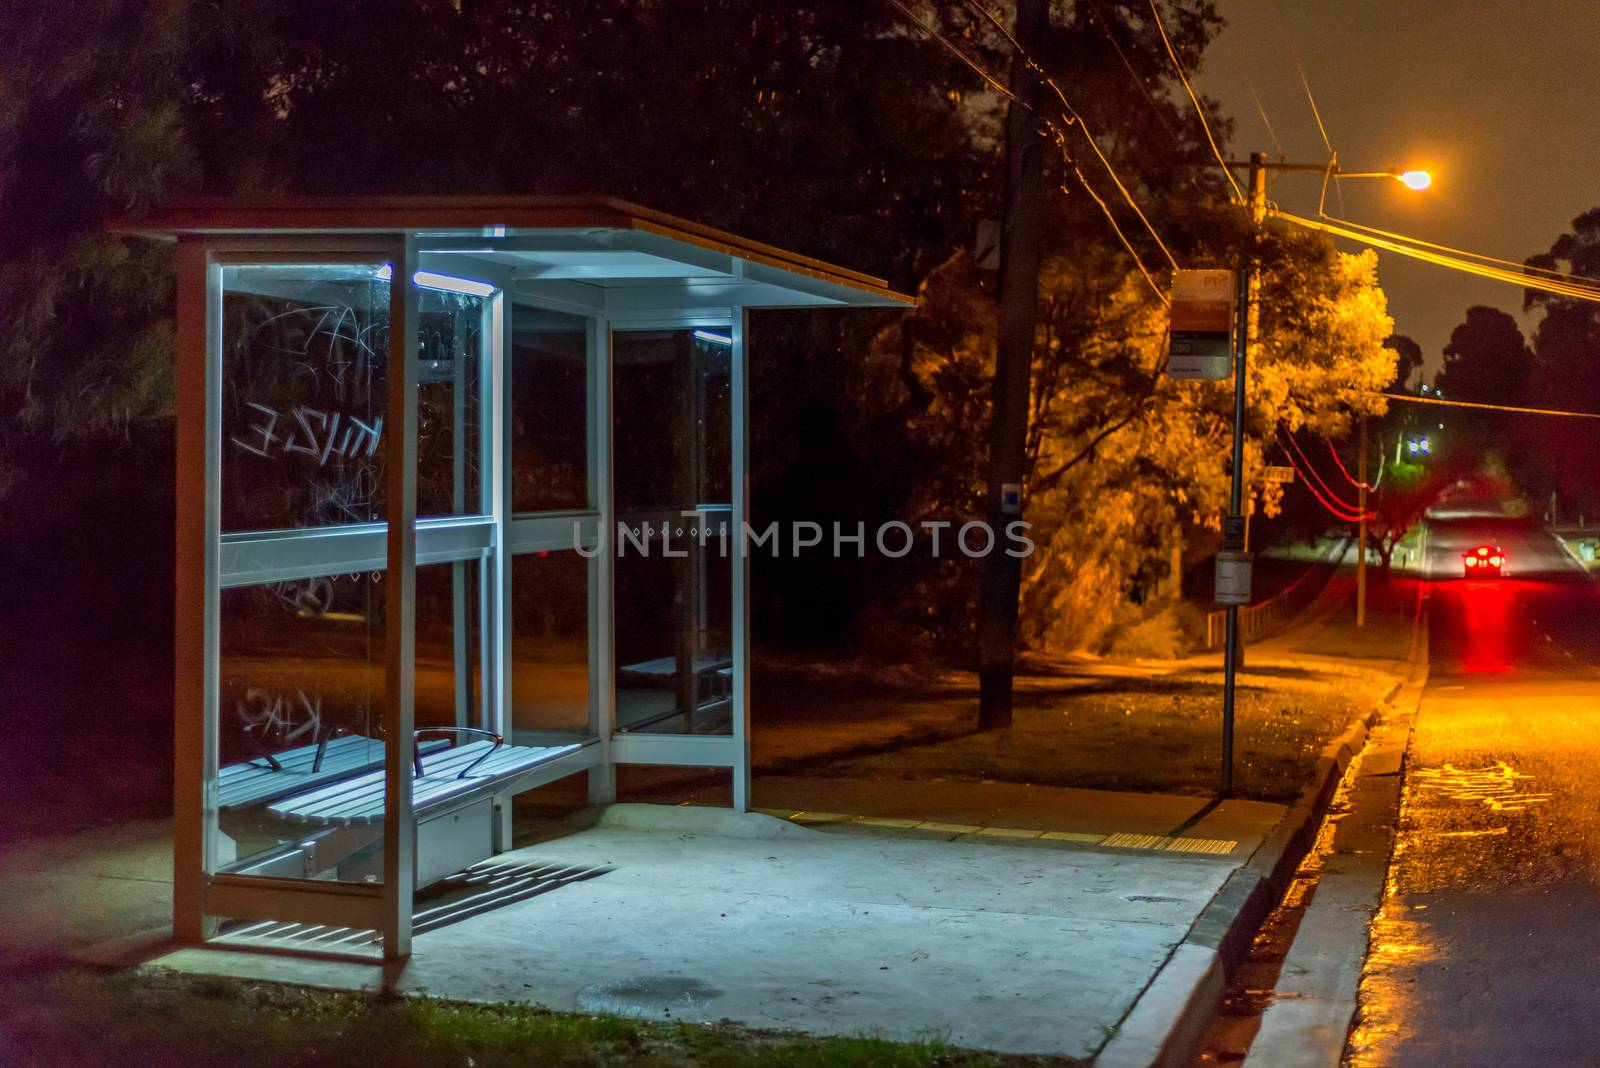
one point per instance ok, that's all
(305, 392)
(304, 383)
(313, 433)
(280, 719)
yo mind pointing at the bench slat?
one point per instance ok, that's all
(663, 668)
(253, 782)
(359, 801)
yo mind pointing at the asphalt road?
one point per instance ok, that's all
(1487, 951)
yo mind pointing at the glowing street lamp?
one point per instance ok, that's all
(1414, 180)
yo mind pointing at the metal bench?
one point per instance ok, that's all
(461, 797)
(713, 686)
(269, 777)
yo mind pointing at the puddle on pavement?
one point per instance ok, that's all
(648, 995)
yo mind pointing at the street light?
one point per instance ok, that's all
(1412, 179)
(1258, 166)
(1417, 180)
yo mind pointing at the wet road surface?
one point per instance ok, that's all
(1487, 951)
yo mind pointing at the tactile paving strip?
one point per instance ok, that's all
(1121, 840)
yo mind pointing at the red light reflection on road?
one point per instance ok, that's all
(1486, 614)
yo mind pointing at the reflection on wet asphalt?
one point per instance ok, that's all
(1484, 951)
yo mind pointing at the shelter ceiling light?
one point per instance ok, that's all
(452, 284)
(446, 282)
(714, 338)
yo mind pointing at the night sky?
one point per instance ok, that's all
(1498, 98)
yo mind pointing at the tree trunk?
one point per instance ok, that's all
(1386, 556)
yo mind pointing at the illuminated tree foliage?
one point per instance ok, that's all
(1124, 462)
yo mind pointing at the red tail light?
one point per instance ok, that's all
(1472, 561)
(1495, 560)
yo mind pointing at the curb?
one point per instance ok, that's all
(1317, 994)
(1165, 1025)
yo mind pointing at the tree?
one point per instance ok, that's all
(89, 122)
(1407, 360)
(824, 125)
(1487, 360)
(1407, 491)
(1566, 346)
(821, 126)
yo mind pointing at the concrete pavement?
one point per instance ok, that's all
(1022, 943)
(992, 945)
(67, 895)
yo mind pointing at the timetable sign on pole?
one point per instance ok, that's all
(1200, 339)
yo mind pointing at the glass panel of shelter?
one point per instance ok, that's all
(673, 543)
(298, 724)
(548, 610)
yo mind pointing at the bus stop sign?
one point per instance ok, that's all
(1200, 339)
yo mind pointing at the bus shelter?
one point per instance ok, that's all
(423, 570)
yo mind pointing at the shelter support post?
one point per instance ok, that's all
(602, 569)
(195, 684)
(738, 522)
(400, 595)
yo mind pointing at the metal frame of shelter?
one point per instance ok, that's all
(615, 267)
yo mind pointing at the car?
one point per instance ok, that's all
(1485, 561)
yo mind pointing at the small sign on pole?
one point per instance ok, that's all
(1011, 498)
(1272, 473)
(1234, 530)
(986, 249)
(1233, 578)
(1200, 339)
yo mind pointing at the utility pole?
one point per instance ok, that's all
(1247, 309)
(1013, 364)
(1361, 531)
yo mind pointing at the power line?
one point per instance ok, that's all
(1401, 246)
(1072, 116)
(1177, 65)
(1155, 106)
(1262, 111)
(1352, 509)
(994, 82)
(1410, 399)
(1577, 279)
(1316, 112)
(1340, 465)
(1117, 229)
(1334, 511)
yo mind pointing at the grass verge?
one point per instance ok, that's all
(164, 1019)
